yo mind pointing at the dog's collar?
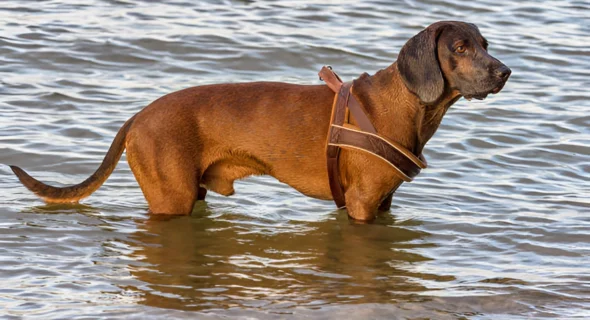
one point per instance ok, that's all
(405, 164)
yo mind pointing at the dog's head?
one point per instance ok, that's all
(452, 54)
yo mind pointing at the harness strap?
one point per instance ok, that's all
(404, 166)
(333, 151)
(404, 163)
(333, 81)
(330, 78)
(360, 115)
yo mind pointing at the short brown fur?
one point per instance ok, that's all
(204, 138)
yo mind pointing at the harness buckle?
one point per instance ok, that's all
(329, 67)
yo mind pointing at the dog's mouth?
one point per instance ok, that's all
(497, 89)
(483, 95)
(477, 96)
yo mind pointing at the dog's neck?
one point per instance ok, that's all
(398, 114)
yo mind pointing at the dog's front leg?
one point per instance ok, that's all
(386, 203)
(361, 203)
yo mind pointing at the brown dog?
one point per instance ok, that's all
(203, 138)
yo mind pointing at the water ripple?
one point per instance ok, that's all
(495, 228)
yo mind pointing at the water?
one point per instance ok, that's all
(496, 228)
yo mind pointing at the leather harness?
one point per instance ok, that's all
(405, 164)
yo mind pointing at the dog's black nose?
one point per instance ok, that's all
(503, 72)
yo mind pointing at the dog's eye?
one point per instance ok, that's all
(460, 49)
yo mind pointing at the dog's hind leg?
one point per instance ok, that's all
(169, 194)
(169, 179)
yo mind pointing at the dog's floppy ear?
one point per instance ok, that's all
(419, 67)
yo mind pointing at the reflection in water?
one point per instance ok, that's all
(223, 260)
(62, 208)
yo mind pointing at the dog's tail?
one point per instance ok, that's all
(76, 192)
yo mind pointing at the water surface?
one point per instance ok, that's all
(496, 228)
